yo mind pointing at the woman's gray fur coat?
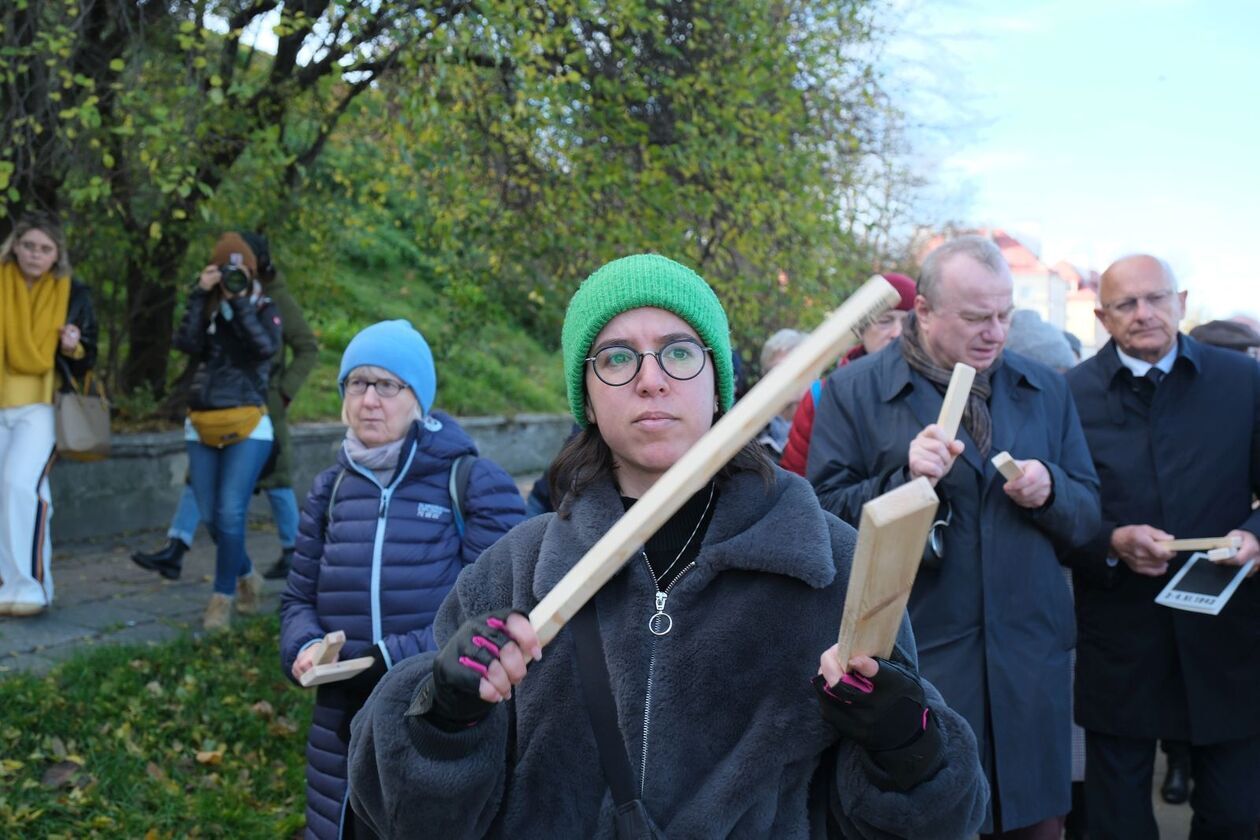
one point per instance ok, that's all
(735, 736)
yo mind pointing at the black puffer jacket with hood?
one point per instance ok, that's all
(233, 353)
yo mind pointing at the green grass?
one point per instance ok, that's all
(486, 364)
(193, 738)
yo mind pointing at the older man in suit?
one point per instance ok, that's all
(1174, 429)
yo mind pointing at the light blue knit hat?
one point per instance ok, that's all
(400, 349)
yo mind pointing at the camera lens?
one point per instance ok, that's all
(233, 279)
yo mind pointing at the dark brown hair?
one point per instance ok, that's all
(586, 458)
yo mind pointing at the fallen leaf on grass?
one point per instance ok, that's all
(282, 726)
(156, 773)
(263, 709)
(61, 774)
(209, 756)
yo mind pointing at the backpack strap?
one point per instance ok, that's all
(457, 486)
(332, 498)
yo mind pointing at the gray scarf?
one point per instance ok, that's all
(976, 419)
(381, 460)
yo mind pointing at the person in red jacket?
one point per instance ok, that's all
(874, 338)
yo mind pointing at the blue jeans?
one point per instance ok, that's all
(223, 480)
(284, 511)
(187, 517)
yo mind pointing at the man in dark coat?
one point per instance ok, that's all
(991, 611)
(1174, 428)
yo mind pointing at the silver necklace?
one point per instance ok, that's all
(661, 622)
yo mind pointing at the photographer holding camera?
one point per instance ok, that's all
(232, 330)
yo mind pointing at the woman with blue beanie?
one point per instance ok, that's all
(698, 694)
(383, 536)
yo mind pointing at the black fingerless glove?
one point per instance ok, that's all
(888, 716)
(450, 698)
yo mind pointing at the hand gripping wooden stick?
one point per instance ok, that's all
(785, 382)
(325, 669)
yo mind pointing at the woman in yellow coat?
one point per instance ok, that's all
(47, 329)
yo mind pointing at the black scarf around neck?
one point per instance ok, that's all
(976, 418)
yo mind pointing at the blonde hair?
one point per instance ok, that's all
(46, 225)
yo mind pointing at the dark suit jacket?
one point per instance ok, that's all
(1188, 464)
(994, 620)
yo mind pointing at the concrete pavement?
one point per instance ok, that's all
(104, 598)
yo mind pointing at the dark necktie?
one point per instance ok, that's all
(1144, 386)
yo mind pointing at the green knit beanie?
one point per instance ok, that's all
(632, 282)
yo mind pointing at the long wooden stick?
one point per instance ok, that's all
(955, 402)
(891, 536)
(785, 382)
(1200, 544)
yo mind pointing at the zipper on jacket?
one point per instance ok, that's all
(661, 597)
(378, 542)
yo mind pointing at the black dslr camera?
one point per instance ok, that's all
(233, 277)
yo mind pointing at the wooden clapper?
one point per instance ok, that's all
(787, 381)
(1217, 548)
(891, 536)
(326, 670)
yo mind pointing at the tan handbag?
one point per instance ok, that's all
(82, 421)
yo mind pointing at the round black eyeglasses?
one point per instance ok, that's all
(618, 365)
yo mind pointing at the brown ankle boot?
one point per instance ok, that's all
(218, 613)
(248, 593)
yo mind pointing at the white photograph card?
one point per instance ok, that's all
(1202, 586)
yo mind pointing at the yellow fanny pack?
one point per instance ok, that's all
(225, 426)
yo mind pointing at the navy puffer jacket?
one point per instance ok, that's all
(378, 571)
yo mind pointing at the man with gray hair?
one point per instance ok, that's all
(1174, 428)
(990, 608)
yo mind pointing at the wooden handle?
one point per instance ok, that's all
(787, 381)
(1006, 466)
(335, 671)
(1200, 544)
(329, 646)
(955, 402)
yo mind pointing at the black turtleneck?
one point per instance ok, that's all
(664, 546)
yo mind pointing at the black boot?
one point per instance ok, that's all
(167, 561)
(280, 569)
(1176, 787)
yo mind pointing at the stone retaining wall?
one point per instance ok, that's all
(138, 485)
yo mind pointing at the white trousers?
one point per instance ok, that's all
(27, 438)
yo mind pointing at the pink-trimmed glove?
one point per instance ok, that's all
(887, 715)
(451, 697)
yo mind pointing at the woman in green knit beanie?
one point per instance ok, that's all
(699, 652)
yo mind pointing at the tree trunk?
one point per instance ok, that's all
(149, 331)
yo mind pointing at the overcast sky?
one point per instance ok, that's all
(1097, 128)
